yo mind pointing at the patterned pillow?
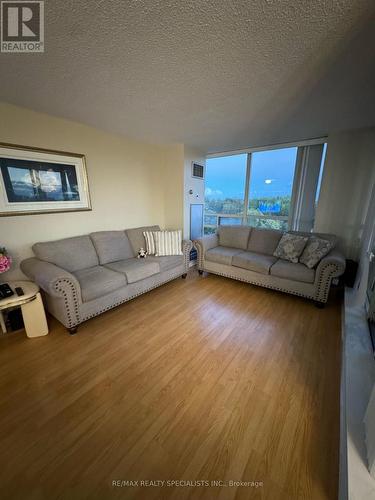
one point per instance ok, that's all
(314, 251)
(150, 242)
(168, 243)
(290, 247)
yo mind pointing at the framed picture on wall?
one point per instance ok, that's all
(35, 181)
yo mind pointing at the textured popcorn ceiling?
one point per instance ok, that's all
(218, 75)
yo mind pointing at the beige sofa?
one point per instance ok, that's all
(84, 276)
(246, 254)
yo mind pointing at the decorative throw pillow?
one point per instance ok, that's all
(314, 251)
(150, 242)
(290, 247)
(168, 243)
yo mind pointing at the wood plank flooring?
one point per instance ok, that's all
(204, 379)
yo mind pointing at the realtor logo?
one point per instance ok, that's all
(22, 26)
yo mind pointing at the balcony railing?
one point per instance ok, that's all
(213, 220)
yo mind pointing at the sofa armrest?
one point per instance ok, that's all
(203, 244)
(331, 266)
(187, 245)
(52, 279)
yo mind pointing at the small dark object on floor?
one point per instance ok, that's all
(350, 273)
(193, 254)
(14, 319)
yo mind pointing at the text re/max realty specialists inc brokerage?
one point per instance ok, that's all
(184, 483)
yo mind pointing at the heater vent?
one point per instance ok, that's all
(197, 170)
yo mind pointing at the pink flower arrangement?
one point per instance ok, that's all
(5, 260)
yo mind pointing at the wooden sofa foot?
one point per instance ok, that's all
(200, 271)
(73, 330)
(184, 276)
(319, 305)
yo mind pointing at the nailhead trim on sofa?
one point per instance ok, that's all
(187, 245)
(66, 288)
(200, 253)
(325, 280)
(258, 283)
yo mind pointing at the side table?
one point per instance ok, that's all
(32, 308)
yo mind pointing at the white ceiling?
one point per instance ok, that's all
(217, 75)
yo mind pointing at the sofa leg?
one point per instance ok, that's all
(200, 271)
(73, 330)
(319, 305)
(184, 276)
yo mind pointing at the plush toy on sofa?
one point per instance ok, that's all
(142, 254)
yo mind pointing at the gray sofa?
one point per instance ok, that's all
(84, 276)
(246, 254)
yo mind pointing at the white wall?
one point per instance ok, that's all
(131, 183)
(177, 182)
(349, 175)
(368, 245)
(191, 183)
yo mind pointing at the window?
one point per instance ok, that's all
(224, 191)
(271, 185)
(275, 188)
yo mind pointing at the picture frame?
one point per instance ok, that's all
(42, 181)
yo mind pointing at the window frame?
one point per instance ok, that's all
(291, 219)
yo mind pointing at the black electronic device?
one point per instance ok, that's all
(5, 291)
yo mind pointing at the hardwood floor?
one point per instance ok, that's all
(202, 379)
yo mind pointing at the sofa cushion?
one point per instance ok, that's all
(135, 269)
(168, 243)
(150, 242)
(258, 262)
(234, 236)
(71, 254)
(264, 241)
(325, 236)
(98, 281)
(112, 246)
(136, 238)
(290, 247)
(222, 255)
(315, 250)
(291, 271)
(168, 262)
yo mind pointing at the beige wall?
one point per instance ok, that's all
(131, 183)
(172, 182)
(349, 175)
